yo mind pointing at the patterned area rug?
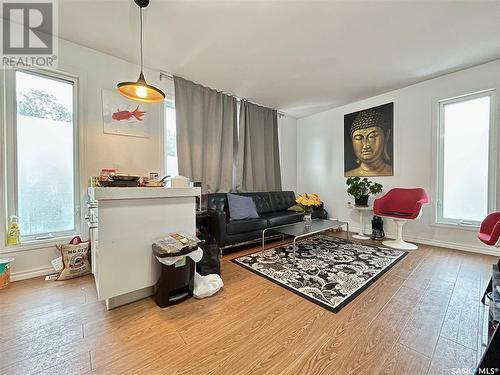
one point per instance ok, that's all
(329, 271)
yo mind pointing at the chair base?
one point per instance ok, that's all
(400, 245)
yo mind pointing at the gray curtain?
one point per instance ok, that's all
(206, 135)
(258, 159)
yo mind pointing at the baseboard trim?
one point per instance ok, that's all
(29, 274)
(432, 242)
(455, 246)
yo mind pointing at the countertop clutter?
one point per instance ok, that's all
(109, 177)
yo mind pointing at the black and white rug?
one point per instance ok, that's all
(329, 271)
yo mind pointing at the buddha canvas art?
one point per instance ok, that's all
(368, 142)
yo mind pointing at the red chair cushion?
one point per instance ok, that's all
(401, 203)
(489, 232)
(396, 213)
(486, 238)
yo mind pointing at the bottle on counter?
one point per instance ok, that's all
(13, 233)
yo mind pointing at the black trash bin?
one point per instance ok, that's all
(176, 281)
(210, 262)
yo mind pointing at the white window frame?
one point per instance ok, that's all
(11, 149)
(492, 159)
(169, 103)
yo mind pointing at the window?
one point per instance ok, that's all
(171, 165)
(466, 160)
(42, 154)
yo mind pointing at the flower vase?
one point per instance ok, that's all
(307, 219)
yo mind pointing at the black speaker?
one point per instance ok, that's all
(377, 228)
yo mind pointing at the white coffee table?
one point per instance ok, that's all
(361, 234)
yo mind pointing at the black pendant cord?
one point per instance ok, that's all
(142, 36)
(140, 90)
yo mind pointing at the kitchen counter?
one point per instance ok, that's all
(107, 193)
(124, 224)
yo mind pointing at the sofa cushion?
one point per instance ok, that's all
(241, 208)
(282, 200)
(282, 218)
(296, 208)
(262, 201)
(243, 226)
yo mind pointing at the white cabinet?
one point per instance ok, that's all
(129, 221)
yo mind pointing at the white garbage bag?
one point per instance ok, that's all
(195, 255)
(205, 286)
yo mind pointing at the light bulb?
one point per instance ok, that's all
(141, 92)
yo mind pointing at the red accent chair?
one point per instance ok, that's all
(489, 232)
(401, 205)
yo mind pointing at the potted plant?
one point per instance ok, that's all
(361, 188)
(306, 203)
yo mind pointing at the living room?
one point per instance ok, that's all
(273, 121)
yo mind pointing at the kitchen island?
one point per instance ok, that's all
(124, 222)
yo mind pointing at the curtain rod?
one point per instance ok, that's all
(171, 77)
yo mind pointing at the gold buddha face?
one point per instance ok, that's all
(368, 144)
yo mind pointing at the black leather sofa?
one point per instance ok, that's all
(272, 208)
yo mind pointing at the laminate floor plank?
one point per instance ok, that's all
(35, 346)
(223, 343)
(57, 355)
(462, 316)
(402, 360)
(409, 264)
(76, 364)
(422, 331)
(450, 355)
(377, 341)
(134, 352)
(319, 356)
(240, 360)
(278, 353)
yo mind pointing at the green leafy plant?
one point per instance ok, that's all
(39, 103)
(361, 187)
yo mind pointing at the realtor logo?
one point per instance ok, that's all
(28, 30)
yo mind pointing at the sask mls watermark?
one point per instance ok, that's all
(28, 33)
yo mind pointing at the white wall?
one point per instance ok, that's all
(320, 151)
(95, 71)
(287, 127)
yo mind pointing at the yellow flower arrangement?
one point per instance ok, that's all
(308, 201)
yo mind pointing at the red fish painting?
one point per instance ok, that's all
(126, 115)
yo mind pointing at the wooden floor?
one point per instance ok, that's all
(421, 317)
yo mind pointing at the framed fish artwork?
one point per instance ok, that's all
(123, 116)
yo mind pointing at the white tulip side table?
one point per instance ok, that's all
(361, 234)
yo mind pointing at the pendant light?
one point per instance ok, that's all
(140, 90)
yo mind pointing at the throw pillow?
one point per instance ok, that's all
(296, 208)
(241, 207)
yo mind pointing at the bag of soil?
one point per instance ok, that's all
(75, 259)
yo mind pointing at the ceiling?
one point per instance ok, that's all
(298, 56)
